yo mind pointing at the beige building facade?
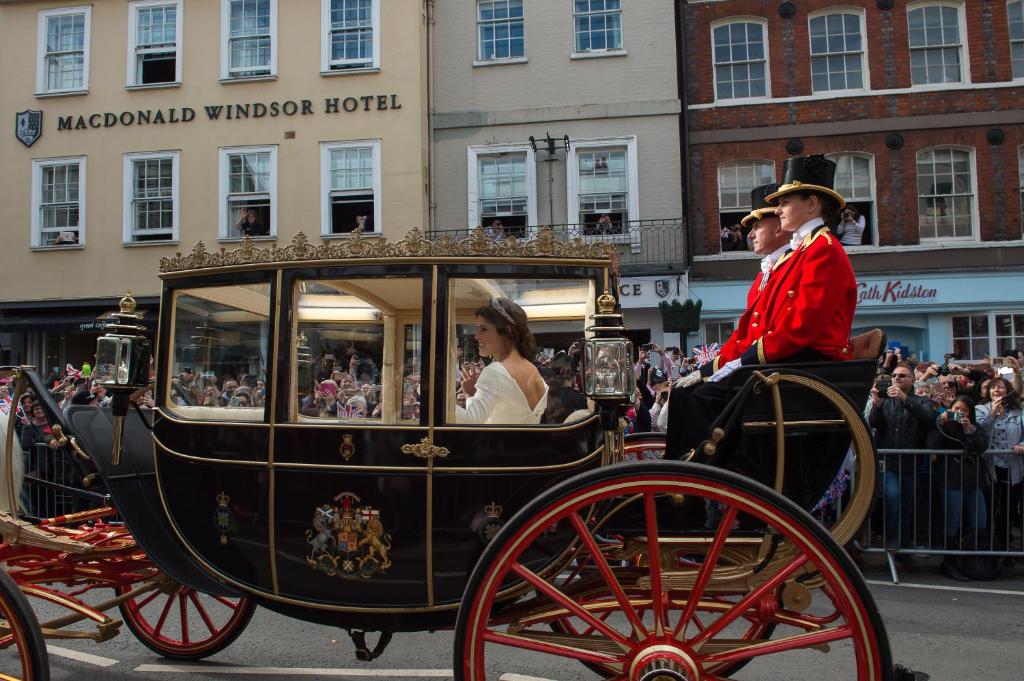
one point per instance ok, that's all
(145, 126)
(594, 83)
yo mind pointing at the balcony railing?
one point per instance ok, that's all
(644, 246)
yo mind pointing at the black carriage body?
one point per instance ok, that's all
(243, 498)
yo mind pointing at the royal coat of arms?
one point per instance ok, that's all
(28, 126)
(348, 539)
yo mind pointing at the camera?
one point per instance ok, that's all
(847, 214)
(883, 384)
(955, 416)
(944, 370)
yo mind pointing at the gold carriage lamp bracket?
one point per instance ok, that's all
(425, 449)
(122, 364)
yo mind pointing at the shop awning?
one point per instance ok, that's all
(85, 320)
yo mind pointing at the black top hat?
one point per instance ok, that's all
(808, 173)
(759, 207)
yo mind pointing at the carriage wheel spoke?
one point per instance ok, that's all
(139, 605)
(706, 569)
(163, 616)
(226, 602)
(541, 645)
(609, 577)
(654, 563)
(183, 610)
(750, 599)
(808, 640)
(194, 597)
(569, 604)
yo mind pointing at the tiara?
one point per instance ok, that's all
(496, 304)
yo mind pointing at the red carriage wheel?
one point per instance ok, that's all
(22, 649)
(764, 589)
(179, 622)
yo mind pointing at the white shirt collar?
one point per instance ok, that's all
(805, 229)
(774, 256)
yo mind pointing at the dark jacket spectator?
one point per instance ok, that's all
(961, 470)
(37, 431)
(900, 418)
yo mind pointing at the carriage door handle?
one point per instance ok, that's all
(425, 450)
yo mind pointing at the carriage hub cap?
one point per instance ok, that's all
(663, 663)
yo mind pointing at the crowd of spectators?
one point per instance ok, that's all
(970, 497)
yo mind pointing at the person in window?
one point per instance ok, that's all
(510, 389)
(249, 224)
(364, 223)
(496, 230)
(604, 225)
(851, 227)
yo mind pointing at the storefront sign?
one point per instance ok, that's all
(649, 291)
(892, 291)
(226, 112)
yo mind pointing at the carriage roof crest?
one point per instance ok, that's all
(415, 245)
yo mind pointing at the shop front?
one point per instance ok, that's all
(48, 334)
(640, 297)
(931, 313)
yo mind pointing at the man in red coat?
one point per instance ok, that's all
(769, 240)
(806, 313)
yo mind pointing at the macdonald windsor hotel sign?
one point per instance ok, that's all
(229, 112)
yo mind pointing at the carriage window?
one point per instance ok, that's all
(556, 313)
(219, 352)
(357, 346)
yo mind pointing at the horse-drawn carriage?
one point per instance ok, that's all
(370, 506)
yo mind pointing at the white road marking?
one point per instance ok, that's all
(520, 677)
(81, 657)
(943, 587)
(297, 671)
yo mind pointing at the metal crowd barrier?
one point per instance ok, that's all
(939, 502)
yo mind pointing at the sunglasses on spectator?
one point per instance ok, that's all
(902, 375)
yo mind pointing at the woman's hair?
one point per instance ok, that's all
(969, 403)
(1012, 399)
(509, 320)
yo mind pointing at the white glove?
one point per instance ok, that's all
(724, 372)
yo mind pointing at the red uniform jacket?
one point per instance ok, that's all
(809, 302)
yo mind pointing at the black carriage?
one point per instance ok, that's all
(370, 506)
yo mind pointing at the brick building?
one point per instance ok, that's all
(920, 105)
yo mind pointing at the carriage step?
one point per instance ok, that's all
(902, 673)
(363, 652)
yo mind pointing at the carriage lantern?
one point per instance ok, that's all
(608, 357)
(122, 363)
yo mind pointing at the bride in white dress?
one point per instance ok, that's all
(509, 390)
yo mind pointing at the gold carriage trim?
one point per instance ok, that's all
(414, 245)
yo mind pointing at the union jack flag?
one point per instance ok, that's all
(5, 405)
(705, 353)
(72, 372)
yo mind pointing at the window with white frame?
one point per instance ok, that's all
(504, 194)
(837, 51)
(154, 34)
(735, 182)
(351, 35)
(151, 194)
(500, 29)
(603, 190)
(350, 173)
(598, 25)
(971, 337)
(248, 190)
(63, 44)
(993, 334)
(855, 182)
(1016, 12)
(945, 194)
(249, 45)
(936, 44)
(58, 202)
(741, 60)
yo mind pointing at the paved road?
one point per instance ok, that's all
(951, 631)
